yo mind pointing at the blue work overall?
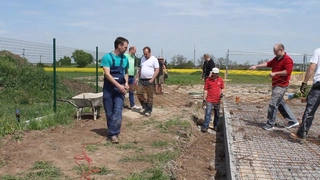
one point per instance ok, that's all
(113, 98)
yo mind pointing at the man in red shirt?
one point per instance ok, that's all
(212, 96)
(281, 67)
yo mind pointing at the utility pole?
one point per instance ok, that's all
(161, 52)
(23, 52)
(194, 53)
(40, 58)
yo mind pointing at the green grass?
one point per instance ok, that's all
(248, 79)
(158, 158)
(130, 146)
(194, 78)
(184, 78)
(150, 121)
(159, 143)
(41, 170)
(91, 148)
(173, 124)
(9, 125)
(149, 174)
(96, 170)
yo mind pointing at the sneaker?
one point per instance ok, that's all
(203, 129)
(215, 128)
(292, 124)
(268, 127)
(143, 110)
(114, 140)
(135, 107)
(147, 114)
(297, 136)
(211, 126)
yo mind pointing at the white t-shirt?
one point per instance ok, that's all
(316, 60)
(147, 67)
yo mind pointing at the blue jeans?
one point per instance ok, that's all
(313, 101)
(131, 91)
(207, 116)
(277, 103)
(113, 104)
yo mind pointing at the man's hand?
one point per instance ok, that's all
(272, 74)
(204, 104)
(126, 86)
(253, 67)
(303, 88)
(221, 95)
(122, 89)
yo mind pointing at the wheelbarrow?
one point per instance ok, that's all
(80, 101)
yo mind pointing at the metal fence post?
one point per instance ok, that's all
(304, 62)
(227, 61)
(97, 89)
(54, 77)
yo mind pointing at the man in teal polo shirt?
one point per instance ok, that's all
(115, 85)
(131, 71)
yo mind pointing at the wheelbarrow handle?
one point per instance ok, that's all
(68, 101)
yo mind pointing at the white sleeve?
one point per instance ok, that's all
(316, 56)
(156, 62)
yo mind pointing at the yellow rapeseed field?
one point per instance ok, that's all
(239, 72)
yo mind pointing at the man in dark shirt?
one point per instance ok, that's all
(207, 66)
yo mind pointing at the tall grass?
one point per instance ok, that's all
(42, 119)
(29, 89)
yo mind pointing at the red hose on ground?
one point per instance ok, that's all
(84, 156)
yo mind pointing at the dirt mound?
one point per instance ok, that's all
(17, 59)
(78, 87)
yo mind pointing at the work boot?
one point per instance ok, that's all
(114, 140)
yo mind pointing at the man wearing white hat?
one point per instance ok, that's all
(212, 97)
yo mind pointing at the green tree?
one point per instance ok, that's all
(82, 58)
(65, 61)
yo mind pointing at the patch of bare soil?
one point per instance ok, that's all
(77, 86)
(201, 155)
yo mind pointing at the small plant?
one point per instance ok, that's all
(149, 174)
(95, 170)
(174, 123)
(159, 143)
(130, 146)
(150, 121)
(17, 136)
(127, 146)
(42, 165)
(44, 170)
(9, 177)
(91, 148)
(162, 157)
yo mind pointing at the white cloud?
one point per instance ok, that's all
(206, 8)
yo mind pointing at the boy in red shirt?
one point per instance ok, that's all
(211, 97)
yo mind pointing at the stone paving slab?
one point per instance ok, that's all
(255, 153)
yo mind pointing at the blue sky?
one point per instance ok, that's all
(175, 26)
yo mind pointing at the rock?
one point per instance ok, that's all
(211, 166)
